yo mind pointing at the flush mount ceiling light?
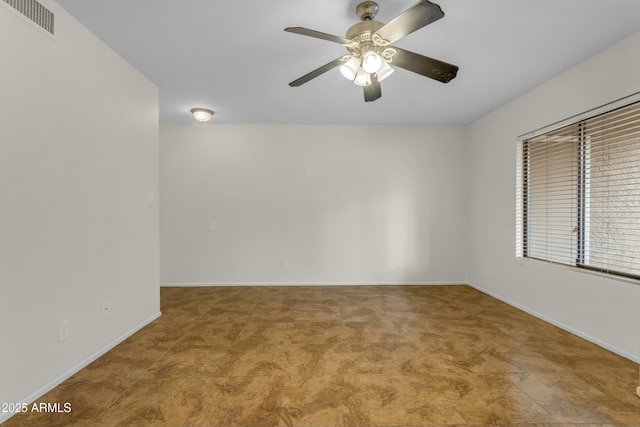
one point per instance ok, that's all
(202, 114)
(371, 54)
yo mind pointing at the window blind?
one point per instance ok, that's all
(579, 193)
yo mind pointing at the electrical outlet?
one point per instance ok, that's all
(105, 308)
(285, 264)
(63, 330)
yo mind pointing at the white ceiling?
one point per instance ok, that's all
(235, 58)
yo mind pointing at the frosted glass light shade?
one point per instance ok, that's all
(350, 68)
(371, 62)
(362, 78)
(384, 71)
(202, 114)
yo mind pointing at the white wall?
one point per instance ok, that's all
(343, 204)
(78, 155)
(602, 309)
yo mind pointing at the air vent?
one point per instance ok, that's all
(35, 12)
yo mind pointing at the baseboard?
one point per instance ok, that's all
(560, 325)
(168, 285)
(70, 372)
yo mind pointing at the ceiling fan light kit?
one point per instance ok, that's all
(371, 61)
(370, 51)
(362, 78)
(350, 68)
(384, 71)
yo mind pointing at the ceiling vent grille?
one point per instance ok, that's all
(36, 12)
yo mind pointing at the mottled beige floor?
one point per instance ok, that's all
(347, 356)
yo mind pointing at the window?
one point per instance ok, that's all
(578, 198)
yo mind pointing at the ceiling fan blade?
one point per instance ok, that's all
(318, 71)
(319, 35)
(424, 65)
(373, 91)
(417, 16)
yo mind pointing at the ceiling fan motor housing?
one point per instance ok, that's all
(363, 34)
(362, 31)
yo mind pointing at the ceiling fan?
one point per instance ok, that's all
(371, 53)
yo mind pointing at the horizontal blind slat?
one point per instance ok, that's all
(581, 193)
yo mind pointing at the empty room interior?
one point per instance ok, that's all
(336, 213)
